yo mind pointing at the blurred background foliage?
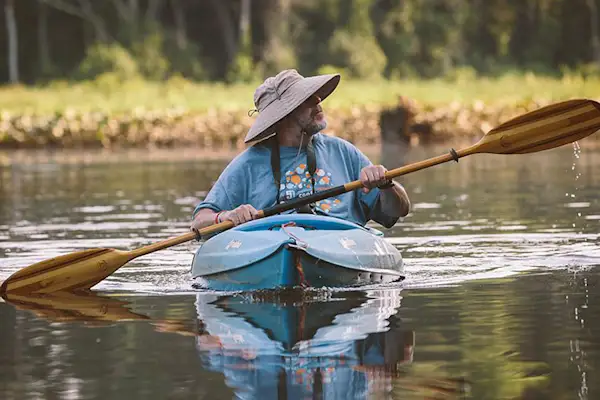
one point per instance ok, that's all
(170, 72)
(246, 40)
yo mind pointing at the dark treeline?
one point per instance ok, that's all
(240, 40)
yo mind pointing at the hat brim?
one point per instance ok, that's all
(298, 93)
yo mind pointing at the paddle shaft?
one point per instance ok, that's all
(350, 186)
(542, 129)
(299, 202)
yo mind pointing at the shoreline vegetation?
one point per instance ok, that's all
(109, 114)
(176, 74)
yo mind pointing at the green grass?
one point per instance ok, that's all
(116, 98)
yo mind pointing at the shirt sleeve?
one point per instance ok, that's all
(371, 202)
(228, 187)
(217, 199)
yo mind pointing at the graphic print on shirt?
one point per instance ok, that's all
(298, 184)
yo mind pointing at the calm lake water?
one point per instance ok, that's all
(501, 298)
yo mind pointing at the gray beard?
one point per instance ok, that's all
(315, 127)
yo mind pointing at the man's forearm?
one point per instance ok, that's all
(203, 218)
(395, 201)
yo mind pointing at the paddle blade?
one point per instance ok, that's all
(74, 271)
(546, 128)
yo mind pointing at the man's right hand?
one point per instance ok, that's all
(239, 215)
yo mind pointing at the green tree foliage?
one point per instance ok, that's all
(359, 55)
(108, 59)
(353, 45)
(364, 38)
(243, 68)
(273, 47)
(185, 61)
(149, 53)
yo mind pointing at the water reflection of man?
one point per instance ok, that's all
(323, 366)
(298, 375)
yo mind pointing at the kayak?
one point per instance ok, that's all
(295, 250)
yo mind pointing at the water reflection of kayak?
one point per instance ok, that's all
(316, 347)
(296, 249)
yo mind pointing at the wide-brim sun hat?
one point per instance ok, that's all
(278, 96)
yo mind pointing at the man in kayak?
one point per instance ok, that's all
(291, 159)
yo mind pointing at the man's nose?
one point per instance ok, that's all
(315, 100)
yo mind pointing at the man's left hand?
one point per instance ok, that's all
(372, 176)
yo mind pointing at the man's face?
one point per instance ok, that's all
(310, 115)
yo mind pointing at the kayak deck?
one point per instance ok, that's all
(295, 249)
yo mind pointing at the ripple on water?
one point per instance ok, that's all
(439, 260)
(94, 209)
(443, 260)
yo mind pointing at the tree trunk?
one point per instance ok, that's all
(227, 29)
(86, 12)
(43, 45)
(245, 22)
(152, 11)
(272, 40)
(394, 124)
(345, 13)
(399, 132)
(128, 14)
(96, 21)
(134, 19)
(180, 26)
(594, 30)
(13, 51)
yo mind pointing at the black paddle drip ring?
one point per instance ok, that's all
(198, 235)
(454, 155)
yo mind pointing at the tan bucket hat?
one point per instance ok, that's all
(278, 96)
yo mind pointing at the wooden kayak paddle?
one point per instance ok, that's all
(546, 128)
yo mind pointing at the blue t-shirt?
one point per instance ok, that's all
(248, 179)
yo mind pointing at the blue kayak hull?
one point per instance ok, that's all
(295, 250)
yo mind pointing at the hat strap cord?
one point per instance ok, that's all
(275, 165)
(311, 161)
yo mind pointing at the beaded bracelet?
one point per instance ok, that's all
(387, 185)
